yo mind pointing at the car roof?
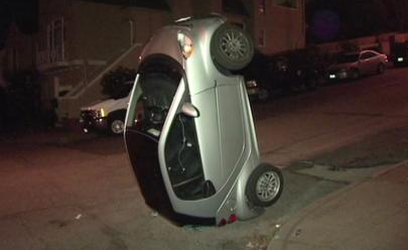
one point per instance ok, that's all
(369, 50)
(360, 52)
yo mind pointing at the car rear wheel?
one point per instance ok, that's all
(265, 185)
(231, 47)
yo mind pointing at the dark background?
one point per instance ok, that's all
(330, 20)
(326, 20)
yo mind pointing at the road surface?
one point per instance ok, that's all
(63, 190)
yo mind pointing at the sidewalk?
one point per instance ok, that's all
(369, 215)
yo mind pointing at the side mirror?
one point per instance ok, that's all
(189, 110)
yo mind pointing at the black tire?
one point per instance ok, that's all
(231, 47)
(381, 68)
(256, 191)
(116, 123)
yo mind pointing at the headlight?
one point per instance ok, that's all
(101, 113)
(186, 44)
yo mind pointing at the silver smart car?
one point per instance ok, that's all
(189, 128)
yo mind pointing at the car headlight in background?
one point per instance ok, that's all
(101, 113)
(400, 59)
(251, 84)
(186, 44)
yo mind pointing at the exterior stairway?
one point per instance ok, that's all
(89, 90)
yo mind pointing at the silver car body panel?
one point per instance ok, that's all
(225, 127)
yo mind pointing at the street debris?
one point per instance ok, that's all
(298, 232)
(258, 242)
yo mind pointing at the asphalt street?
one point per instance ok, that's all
(340, 149)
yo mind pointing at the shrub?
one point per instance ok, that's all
(114, 80)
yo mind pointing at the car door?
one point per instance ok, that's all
(364, 63)
(370, 61)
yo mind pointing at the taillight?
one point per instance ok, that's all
(223, 222)
(233, 218)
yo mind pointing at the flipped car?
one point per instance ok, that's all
(189, 131)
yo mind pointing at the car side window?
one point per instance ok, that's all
(363, 56)
(367, 55)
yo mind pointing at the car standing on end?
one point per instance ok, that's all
(189, 131)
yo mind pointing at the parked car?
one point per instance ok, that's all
(283, 73)
(107, 115)
(354, 65)
(190, 133)
(400, 54)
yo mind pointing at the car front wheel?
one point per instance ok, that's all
(265, 185)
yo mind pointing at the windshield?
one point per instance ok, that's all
(348, 58)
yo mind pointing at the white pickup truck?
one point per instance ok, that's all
(107, 115)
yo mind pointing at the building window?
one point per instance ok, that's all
(286, 3)
(261, 6)
(55, 47)
(261, 38)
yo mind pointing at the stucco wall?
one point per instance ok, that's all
(283, 28)
(104, 31)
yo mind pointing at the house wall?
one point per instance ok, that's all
(283, 28)
(103, 32)
(182, 8)
(18, 53)
(95, 35)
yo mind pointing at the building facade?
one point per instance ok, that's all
(78, 41)
(279, 25)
